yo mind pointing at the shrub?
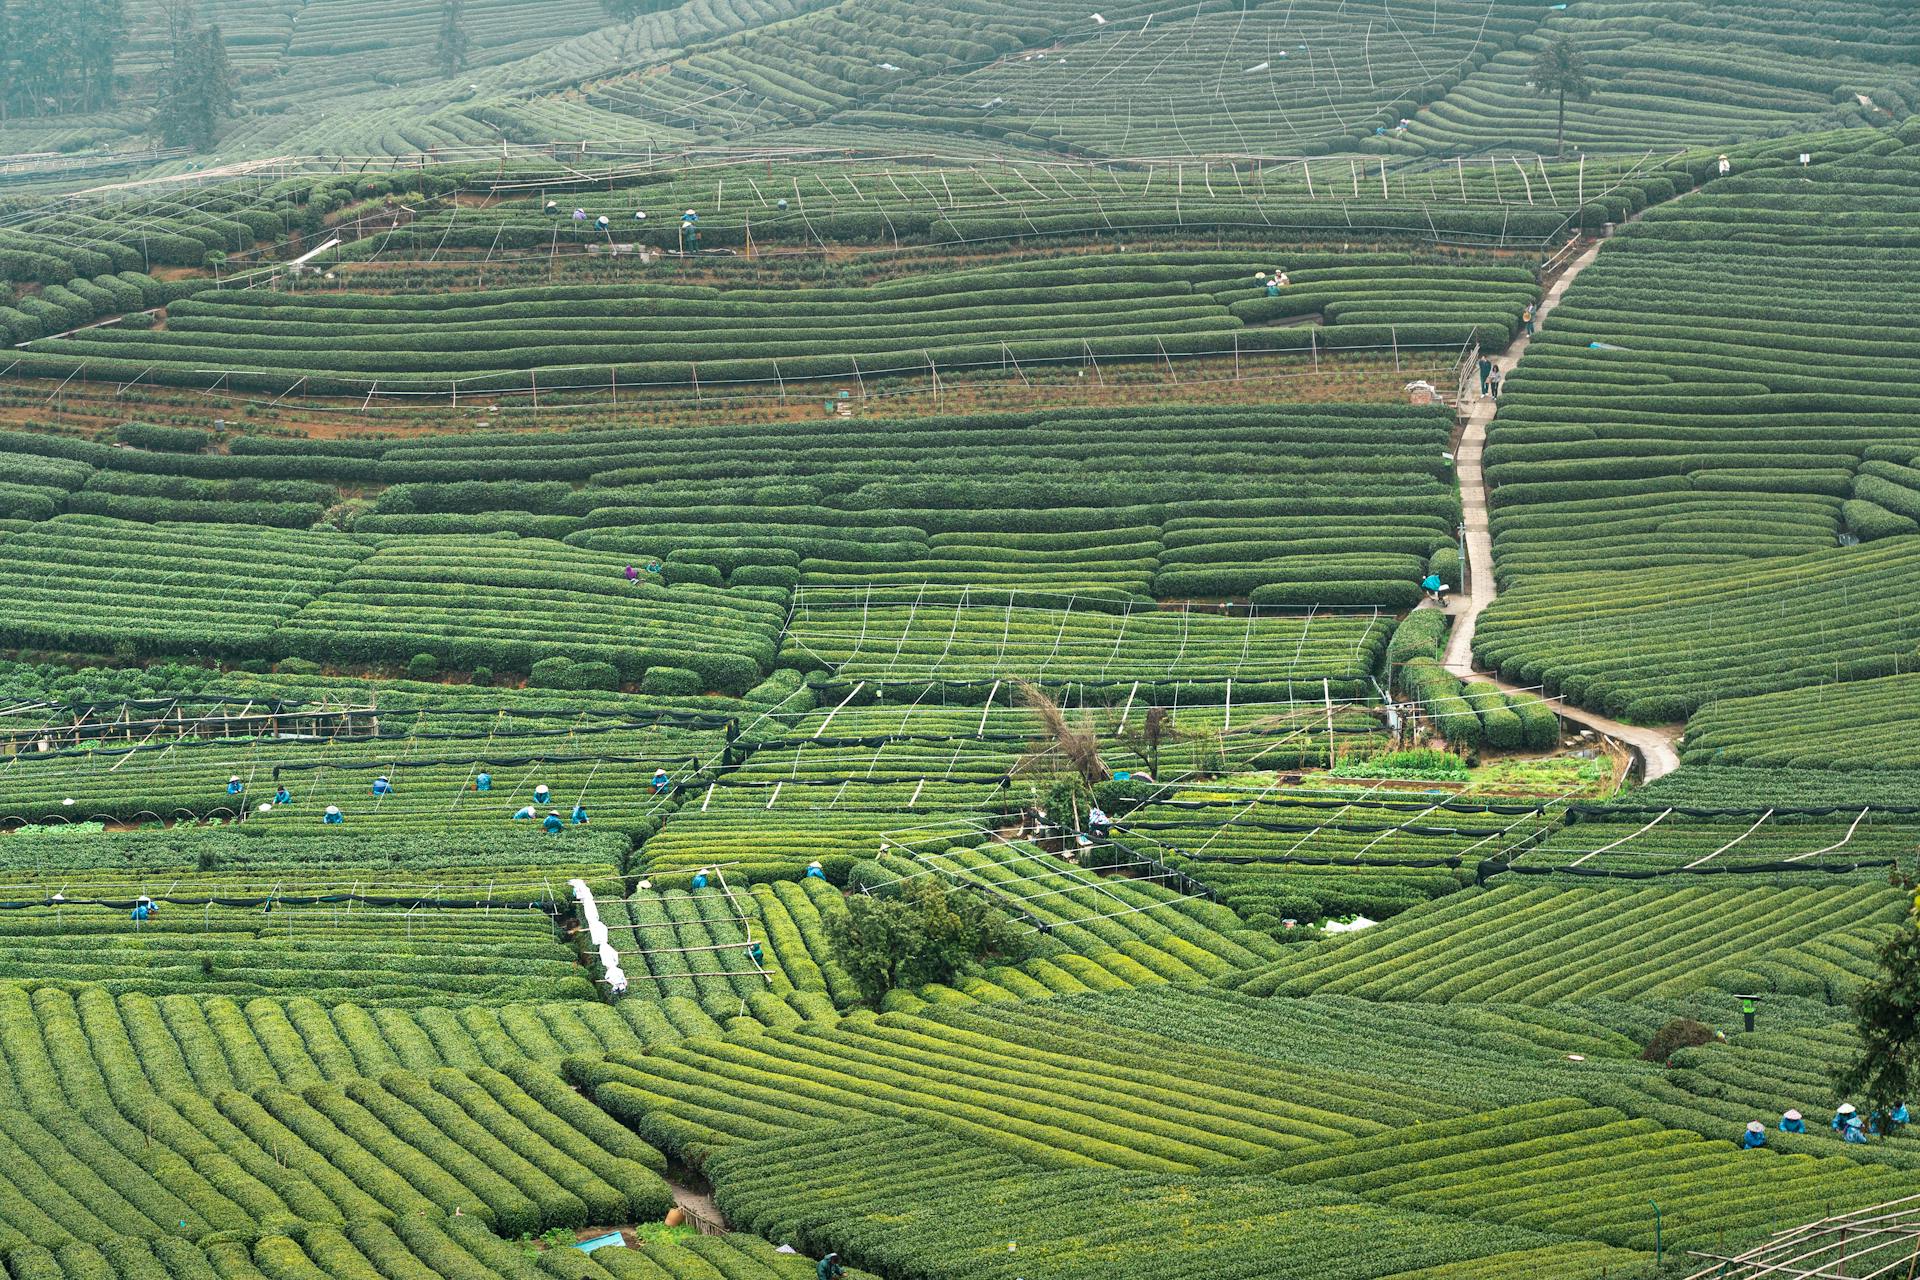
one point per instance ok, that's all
(672, 682)
(146, 435)
(423, 666)
(552, 673)
(677, 572)
(1681, 1033)
(595, 675)
(765, 575)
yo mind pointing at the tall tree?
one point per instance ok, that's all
(6, 59)
(1886, 1013)
(1560, 71)
(196, 87)
(102, 26)
(450, 54)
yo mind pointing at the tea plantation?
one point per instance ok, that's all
(769, 640)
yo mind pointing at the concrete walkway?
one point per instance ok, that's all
(1655, 746)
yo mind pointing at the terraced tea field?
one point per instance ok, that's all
(759, 640)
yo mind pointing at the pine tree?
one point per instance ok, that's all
(1560, 70)
(102, 25)
(196, 88)
(451, 53)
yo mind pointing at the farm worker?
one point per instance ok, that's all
(639, 215)
(1281, 278)
(830, 1268)
(1526, 317)
(601, 222)
(333, 817)
(700, 878)
(1844, 1116)
(815, 871)
(580, 815)
(660, 782)
(541, 794)
(1792, 1123)
(235, 786)
(579, 215)
(1881, 1120)
(1098, 824)
(1486, 369)
(484, 782)
(552, 822)
(526, 811)
(633, 574)
(141, 910)
(282, 796)
(1726, 166)
(1755, 1136)
(553, 207)
(381, 786)
(1854, 1132)
(1432, 585)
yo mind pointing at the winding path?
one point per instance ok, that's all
(1656, 747)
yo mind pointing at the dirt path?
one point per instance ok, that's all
(700, 1207)
(1655, 746)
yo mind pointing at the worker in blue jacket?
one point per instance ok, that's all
(524, 811)
(552, 822)
(1755, 1136)
(1854, 1132)
(333, 817)
(1843, 1117)
(580, 815)
(1792, 1123)
(381, 786)
(235, 786)
(484, 782)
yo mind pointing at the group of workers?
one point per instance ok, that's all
(662, 785)
(1846, 1122)
(689, 222)
(1273, 283)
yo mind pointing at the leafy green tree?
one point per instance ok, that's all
(1560, 70)
(1886, 1014)
(924, 933)
(196, 88)
(450, 54)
